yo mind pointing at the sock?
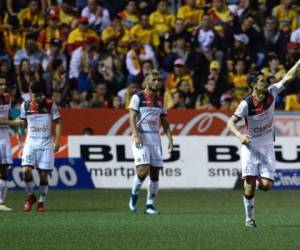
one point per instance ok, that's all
(249, 208)
(136, 185)
(43, 193)
(3, 191)
(29, 187)
(152, 192)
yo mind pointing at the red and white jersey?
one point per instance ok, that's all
(259, 116)
(149, 110)
(5, 105)
(39, 119)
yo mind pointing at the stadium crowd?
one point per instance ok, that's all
(92, 53)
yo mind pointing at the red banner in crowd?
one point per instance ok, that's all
(182, 122)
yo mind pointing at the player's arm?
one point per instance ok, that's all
(231, 124)
(58, 130)
(291, 74)
(133, 117)
(166, 127)
(16, 123)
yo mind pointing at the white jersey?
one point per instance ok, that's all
(259, 116)
(39, 120)
(149, 110)
(5, 105)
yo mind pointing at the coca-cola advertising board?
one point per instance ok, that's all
(182, 122)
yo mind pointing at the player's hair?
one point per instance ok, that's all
(37, 88)
(253, 77)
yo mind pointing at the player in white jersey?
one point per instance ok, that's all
(5, 145)
(257, 150)
(37, 114)
(146, 113)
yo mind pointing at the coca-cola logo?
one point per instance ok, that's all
(206, 123)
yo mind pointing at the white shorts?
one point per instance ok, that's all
(258, 161)
(41, 158)
(149, 154)
(5, 151)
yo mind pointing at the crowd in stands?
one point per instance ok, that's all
(95, 54)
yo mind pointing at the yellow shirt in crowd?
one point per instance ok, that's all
(148, 36)
(188, 14)
(25, 14)
(162, 23)
(287, 18)
(292, 103)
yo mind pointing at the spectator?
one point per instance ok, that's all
(116, 102)
(55, 52)
(65, 12)
(136, 55)
(185, 89)
(292, 102)
(162, 20)
(31, 18)
(98, 16)
(128, 16)
(144, 32)
(126, 94)
(178, 100)
(31, 53)
(275, 68)
(220, 14)
(50, 32)
(286, 15)
(206, 36)
(190, 14)
(209, 99)
(26, 78)
(81, 34)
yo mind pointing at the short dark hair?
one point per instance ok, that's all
(37, 87)
(253, 77)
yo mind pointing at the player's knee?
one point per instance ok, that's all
(43, 178)
(142, 172)
(27, 171)
(249, 186)
(266, 186)
(3, 174)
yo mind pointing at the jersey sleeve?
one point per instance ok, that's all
(23, 112)
(54, 112)
(276, 88)
(134, 103)
(241, 110)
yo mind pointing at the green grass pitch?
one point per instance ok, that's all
(189, 219)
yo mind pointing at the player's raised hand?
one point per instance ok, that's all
(244, 139)
(138, 141)
(170, 146)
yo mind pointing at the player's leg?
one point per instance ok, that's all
(45, 164)
(5, 161)
(43, 190)
(267, 169)
(249, 173)
(28, 163)
(3, 187)
(142, 163)
(249, 200)
(152, 190)
(28, 182)
(156, 165)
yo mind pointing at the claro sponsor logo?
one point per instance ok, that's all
(42, 129)
(263, 128)
(106, 153)
(65, 174)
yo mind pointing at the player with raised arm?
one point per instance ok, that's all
(38, 114)
(257, 150)
(146, 113)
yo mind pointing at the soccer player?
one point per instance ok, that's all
(146, 112)
(38, 114)
(5, 145)
(257, 150)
